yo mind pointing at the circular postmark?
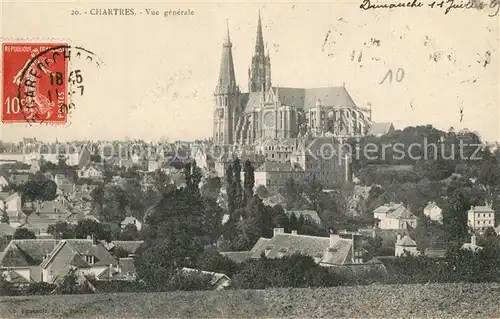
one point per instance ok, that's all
(50, 80)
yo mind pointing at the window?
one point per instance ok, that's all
(89, 259)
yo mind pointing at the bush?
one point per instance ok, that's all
(192, 280)
(40, 288)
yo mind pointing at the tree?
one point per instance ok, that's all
(238, 191)
(249, 182)
(5, 217)
(87, 227)
(70, 285)
(178, 228)
(211, 187)
(23, 233)
(262, 191)
(455, 216)
(212, 260)
(231, 195)
(61, 230)
(130, 232)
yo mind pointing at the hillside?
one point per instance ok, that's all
(433, 300)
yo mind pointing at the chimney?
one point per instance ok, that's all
(294, 232)
(473, 240)
(333, 239)
(278, 231)
(110, 271)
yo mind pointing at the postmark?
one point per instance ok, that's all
(41, 81)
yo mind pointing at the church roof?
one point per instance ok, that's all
(302, 98)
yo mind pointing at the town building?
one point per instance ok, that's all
(394, 216)
(130, 220)
(405, 245)
(271, 112)
(481, 217)
(341, 252)
(434, 212)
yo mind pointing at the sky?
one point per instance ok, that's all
(159, 73)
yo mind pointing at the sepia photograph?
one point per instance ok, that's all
(237, 159)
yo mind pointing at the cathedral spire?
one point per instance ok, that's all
(228, 38)
(227, 78)
(259, 76)
(259, 41)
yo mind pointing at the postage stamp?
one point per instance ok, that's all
(35, 82)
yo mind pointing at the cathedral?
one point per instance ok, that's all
(268, 112)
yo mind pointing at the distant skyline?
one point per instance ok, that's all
(159, 73)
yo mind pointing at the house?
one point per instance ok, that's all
(11, 203)
(394, 216)
(434, 212)
(218, 281)
(405, 245)
(91, 172)
(4, 182)
(308, 215)
(23, 257)
(130, 220)
(273, 175)
(342, 252)
(49, 260)
(472, 245)
(89, 258)
(481, 217)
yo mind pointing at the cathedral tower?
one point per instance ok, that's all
(259, 73)
(227, 97)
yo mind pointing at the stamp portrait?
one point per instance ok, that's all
(35, 81)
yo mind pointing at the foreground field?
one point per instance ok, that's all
(433, 300)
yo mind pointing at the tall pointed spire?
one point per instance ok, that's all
(228, 38)
(259, 41)
(227, 78)
(260, 70)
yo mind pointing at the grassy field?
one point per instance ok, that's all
(433, 300)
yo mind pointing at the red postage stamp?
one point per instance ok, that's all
(35, 83)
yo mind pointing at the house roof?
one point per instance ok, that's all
(215, 275)
(380, 128)
(129, 246)
(129, 220)
(87, 247)
(304, 98)
(6, 230)
(406, 241)
(401, 213)
(49, 207)
(6, 196)
(308, 215)
(481, 209)
(26, 252)
(431, 205)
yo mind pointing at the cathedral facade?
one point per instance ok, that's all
(269, 112)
